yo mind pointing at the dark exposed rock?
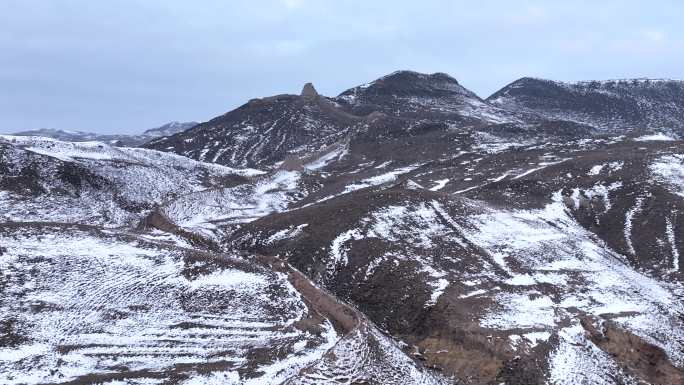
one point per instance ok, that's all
(411, 94)
(309, 91)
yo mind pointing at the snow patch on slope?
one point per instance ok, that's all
(380, 179)
(655, 137)
(669, 170)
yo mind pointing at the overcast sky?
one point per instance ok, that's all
(128, 65)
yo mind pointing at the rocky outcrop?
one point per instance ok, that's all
(309, 91)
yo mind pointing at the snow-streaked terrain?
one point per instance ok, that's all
(552, 248)
(84, 303)
(202, 212)
(669, 170)
(404, 232)
(94, 183)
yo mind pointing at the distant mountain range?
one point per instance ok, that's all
(114, 139)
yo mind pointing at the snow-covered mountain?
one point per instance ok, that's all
(115, 139)
(66, 135)
(169, 129)
(404, 232)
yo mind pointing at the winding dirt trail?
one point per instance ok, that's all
(344, 317)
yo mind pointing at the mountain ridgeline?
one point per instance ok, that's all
(264, 131)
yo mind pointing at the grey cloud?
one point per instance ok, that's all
(128, 65)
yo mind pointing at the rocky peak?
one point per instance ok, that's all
(308, 91)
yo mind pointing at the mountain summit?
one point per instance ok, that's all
(410, 83)
(309, 91)
(417, 95)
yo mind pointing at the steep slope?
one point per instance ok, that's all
(262, 132)
(627, 193)
(519, 285)
(615, 105)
